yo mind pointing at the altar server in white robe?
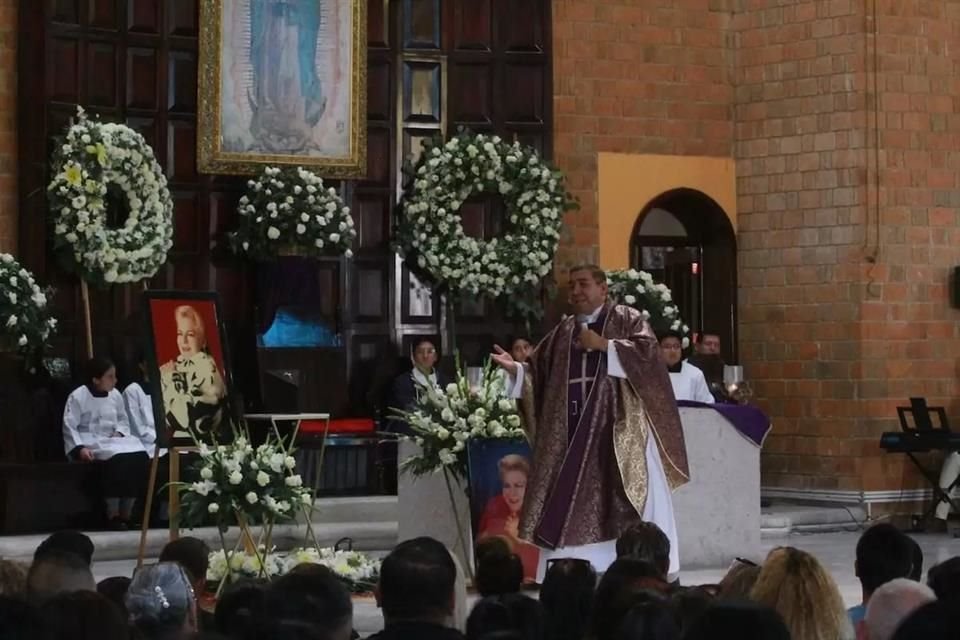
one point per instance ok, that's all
(139, 404)
(96, 430)
(687, 380)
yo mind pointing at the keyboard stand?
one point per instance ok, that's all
(939, 494)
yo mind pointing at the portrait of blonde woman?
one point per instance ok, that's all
(192, 383)
(501, 517)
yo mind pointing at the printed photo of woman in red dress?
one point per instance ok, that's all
(501, 516)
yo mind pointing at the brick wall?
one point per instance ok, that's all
(801, 155)
(635, 77)
(8, 125)
(844, 129)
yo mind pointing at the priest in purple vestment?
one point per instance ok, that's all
(599, 411)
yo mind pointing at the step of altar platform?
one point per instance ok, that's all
(369, 521)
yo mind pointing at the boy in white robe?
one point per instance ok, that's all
(687, 380)
(96, 430)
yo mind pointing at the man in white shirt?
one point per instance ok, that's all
(687, 380)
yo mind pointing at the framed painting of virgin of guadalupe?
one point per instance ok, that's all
(187, 364)
(283, 82)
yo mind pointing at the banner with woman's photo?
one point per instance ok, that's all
(499, 470)
(187, 362)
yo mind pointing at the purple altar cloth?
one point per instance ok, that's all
(748, 420)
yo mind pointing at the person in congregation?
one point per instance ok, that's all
(687, 380)
(408, 386)
(96, 429)
(520, 349)
(139, 403)
(708, 344)
(589, 388)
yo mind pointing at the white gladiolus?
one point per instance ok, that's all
(206, 473)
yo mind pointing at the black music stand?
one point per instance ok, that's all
(922, 424)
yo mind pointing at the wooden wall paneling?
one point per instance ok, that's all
(472, 94)
(422, 20)
(472, 25)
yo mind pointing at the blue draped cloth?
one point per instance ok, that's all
(750, 421)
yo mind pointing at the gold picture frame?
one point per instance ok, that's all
(295, 118)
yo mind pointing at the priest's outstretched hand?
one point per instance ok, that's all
(503, 359)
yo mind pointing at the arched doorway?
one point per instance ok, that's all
(684, 239)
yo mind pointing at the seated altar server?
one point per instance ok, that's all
(96, 429)
(687, 380)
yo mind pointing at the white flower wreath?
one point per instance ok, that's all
(638, 290)
(290, 208)
(94, 156)
(431, 230)
(24, 309)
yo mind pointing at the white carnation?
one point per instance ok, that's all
(252, 497)
(273, 233)
(263, 479)
(213, 507)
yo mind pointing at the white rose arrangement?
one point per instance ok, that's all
(637, 289)
(291, 209)
(243, 484)
(97, 166)
(430, 231)
(24, 309)
(445, 420)
(358, 571)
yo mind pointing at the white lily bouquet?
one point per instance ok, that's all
(358, 571)
(445, 420)
(654, 300)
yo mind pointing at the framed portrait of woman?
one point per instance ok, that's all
(283, 82)
(187, 364)
(498, 474)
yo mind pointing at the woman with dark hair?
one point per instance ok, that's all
(83, 615)
(96, 429)
(512, 613)
(567, 598)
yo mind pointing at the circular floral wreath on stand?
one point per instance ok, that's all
(431, 232)
(99, 165)
(638, 290)
(290, 210)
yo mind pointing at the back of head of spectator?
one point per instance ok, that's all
(511, 613)
(115, 590)
(884, 553)
(239, 608)
(916, 566)
(567, 597)
(794, 584)
(893, 603)
(73, 542)
(741, 620)
(20, 620)
(647, 542)
(934, 621)
(306, 606)
(417, 581)
(58, 572)
(161, 602)
(738, 582)
(944, 579)
(499, 573)
(83, 615)
(13, 578)
(193, 555)
(610, 613)
(689, 604)
(648, 621)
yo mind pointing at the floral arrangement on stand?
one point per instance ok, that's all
(358, 571)
(445, 420)
(654, 300)
(104, 165)
(430, 233)
(244, 485)
(290, 210)
(24, 310)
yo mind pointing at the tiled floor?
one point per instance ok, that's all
(835, 550)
